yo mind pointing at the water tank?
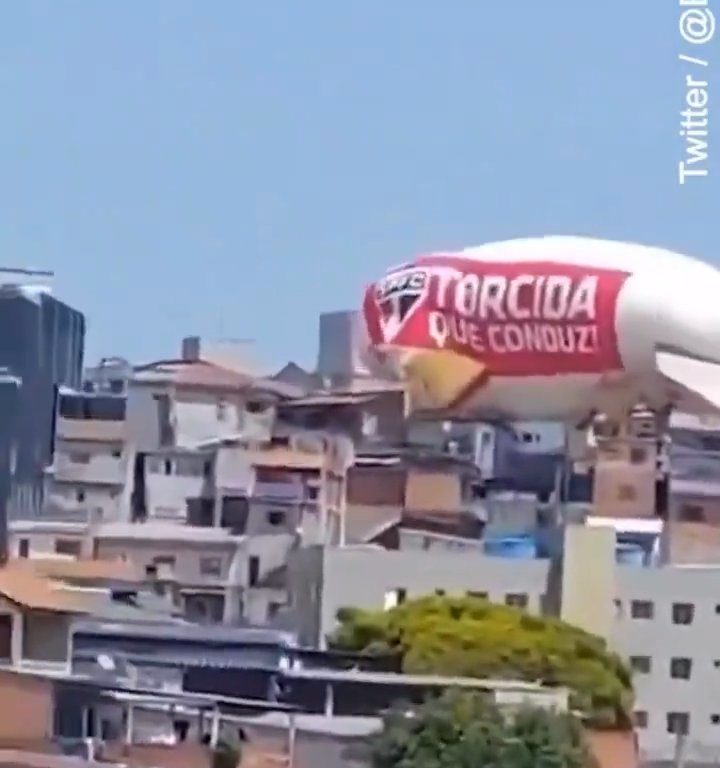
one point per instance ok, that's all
(513, 547)
(629, 554)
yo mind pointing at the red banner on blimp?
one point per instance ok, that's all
(517, 318)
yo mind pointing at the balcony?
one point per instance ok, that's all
(102, 469)
(94, 430)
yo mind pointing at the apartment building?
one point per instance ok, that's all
(663, 619)
(93, 457)
(212, 575)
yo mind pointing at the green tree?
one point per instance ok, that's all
(471, 637)
(466, 730)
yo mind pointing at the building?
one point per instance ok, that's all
(661, 618)
(42, 348)
(93, 458)
(212, 574)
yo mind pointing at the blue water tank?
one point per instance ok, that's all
(513, 547)
(629, 554)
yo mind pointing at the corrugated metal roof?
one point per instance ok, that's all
(190, 633)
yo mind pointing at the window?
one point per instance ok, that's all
(167, 466)
(253, 570)
(80, 495)
(70, 547)
(79, 458)
(478, 595)
(211, 566)
(516, 599)
(715, 719)
(678, 723)
(116, 454)
(312, 492)
(640, 664)
(168, 560)
(276, 517)
(638, 455)
(440, 592)
(24, 548)
(618, 608)
(680, 668)
(626, 493)
(640, 718)
(642, 609)
(394, 597)
(683, 613)
(691, 513)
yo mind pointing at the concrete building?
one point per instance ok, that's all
(212, 574)
(661, 618)
(93, 458)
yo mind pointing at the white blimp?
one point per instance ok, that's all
(549, 328)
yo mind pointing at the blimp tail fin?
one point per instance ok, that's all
(699, 378)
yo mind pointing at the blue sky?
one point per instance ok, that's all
(234, 168)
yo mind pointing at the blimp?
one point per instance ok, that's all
(549, 328)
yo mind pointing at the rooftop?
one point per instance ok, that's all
(80, 570)
(201, 373)
(166, 531)
(21, 586)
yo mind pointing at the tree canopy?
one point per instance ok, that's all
(471, 637)
(466, 729)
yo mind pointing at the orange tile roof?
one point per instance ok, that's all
(287, 458)
(26, 589)
(80, 570)
(198, 373)
(614, 749)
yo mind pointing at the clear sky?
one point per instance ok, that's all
(232, 168)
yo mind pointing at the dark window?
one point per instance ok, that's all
(276, 517)
(641, 664)
(678, 723)
(627, 493)
(642, 609)
(478, 595)
(440, 592)
(211, 566)
(683, 613)
(167, 466)
(24, 548)
(638, 455)
(715, 719)
(516, 599)
(5, 636)
(80, 496)
(401, 595)
(68, 547)
(253, 570)
(640, 717)
(680, 668)
(691, 513)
